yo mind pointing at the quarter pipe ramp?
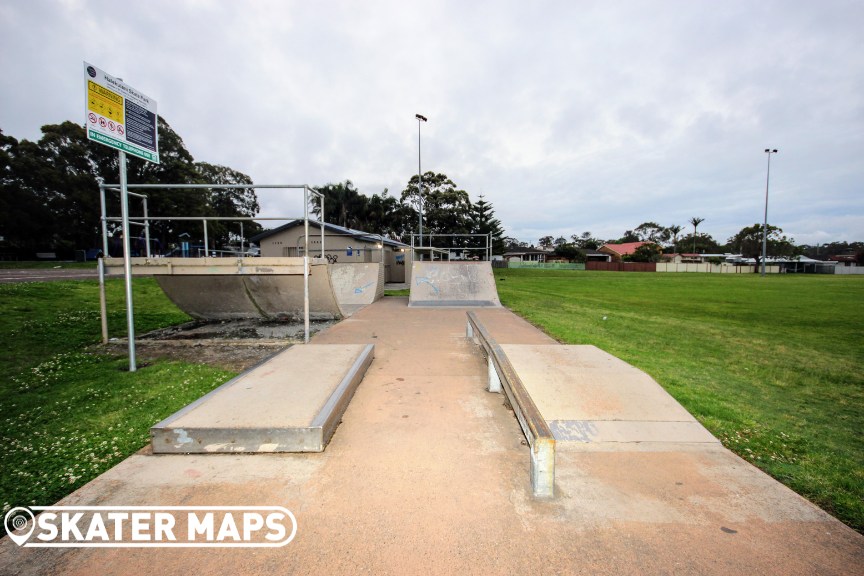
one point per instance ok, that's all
(442, 284)
(228, 289)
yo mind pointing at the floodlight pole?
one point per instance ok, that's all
(306, 263)
(768, 151)
(420, 118)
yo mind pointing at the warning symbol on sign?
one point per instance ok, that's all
(104, 101)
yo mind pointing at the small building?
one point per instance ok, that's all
(342, 245)
(802, 265)
(844, 259)
(527, 255)
(694, 258)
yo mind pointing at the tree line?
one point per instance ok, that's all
(49, 193)
(446, 209)
(49, 199)
(668, 239)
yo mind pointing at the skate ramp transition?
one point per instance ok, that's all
(237, 288)
(356, 285)
(437, 284)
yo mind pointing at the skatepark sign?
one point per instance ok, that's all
(119, 116)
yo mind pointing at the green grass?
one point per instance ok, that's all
(772, 366)
(69, 413)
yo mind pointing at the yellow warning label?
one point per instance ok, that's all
(105, 102)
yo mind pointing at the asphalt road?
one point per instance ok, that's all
(46, 274)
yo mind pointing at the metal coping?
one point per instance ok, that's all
(534, 426)
(331, 413)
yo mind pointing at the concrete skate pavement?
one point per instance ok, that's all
(427, 474)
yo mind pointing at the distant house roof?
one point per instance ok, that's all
(358, 234)
(621, 249)
(525, 251)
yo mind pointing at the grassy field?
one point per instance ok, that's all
(772, 366)
(69, 413)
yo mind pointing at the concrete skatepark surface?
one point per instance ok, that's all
(427, 474)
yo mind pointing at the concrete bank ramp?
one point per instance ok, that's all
(237, 288)
(356, 285)
(591, 399)
(292, 402)
(442, 284)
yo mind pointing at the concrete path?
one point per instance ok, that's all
(428, 474)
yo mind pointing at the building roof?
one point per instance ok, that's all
(526, 251)
(358, 234)
(623, 249)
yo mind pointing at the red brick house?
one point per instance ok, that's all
(618, 251)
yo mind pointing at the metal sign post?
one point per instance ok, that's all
(120, 117)
(127, 262)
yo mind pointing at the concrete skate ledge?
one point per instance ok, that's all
(502, 377)
(289, 402)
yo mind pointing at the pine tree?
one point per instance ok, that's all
(484, 222)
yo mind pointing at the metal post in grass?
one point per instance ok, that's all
(146, 226)
(768, 151)
(103, 303)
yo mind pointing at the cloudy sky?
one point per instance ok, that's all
(569, 116)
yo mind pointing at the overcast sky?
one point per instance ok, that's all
(568, 116)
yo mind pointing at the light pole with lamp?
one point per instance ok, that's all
(768, 151)
(420, 118)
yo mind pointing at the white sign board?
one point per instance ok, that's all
(119, 116)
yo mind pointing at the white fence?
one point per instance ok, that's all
(712, 268)
(849, 270)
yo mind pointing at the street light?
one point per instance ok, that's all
(420, 118)
(768, 151)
